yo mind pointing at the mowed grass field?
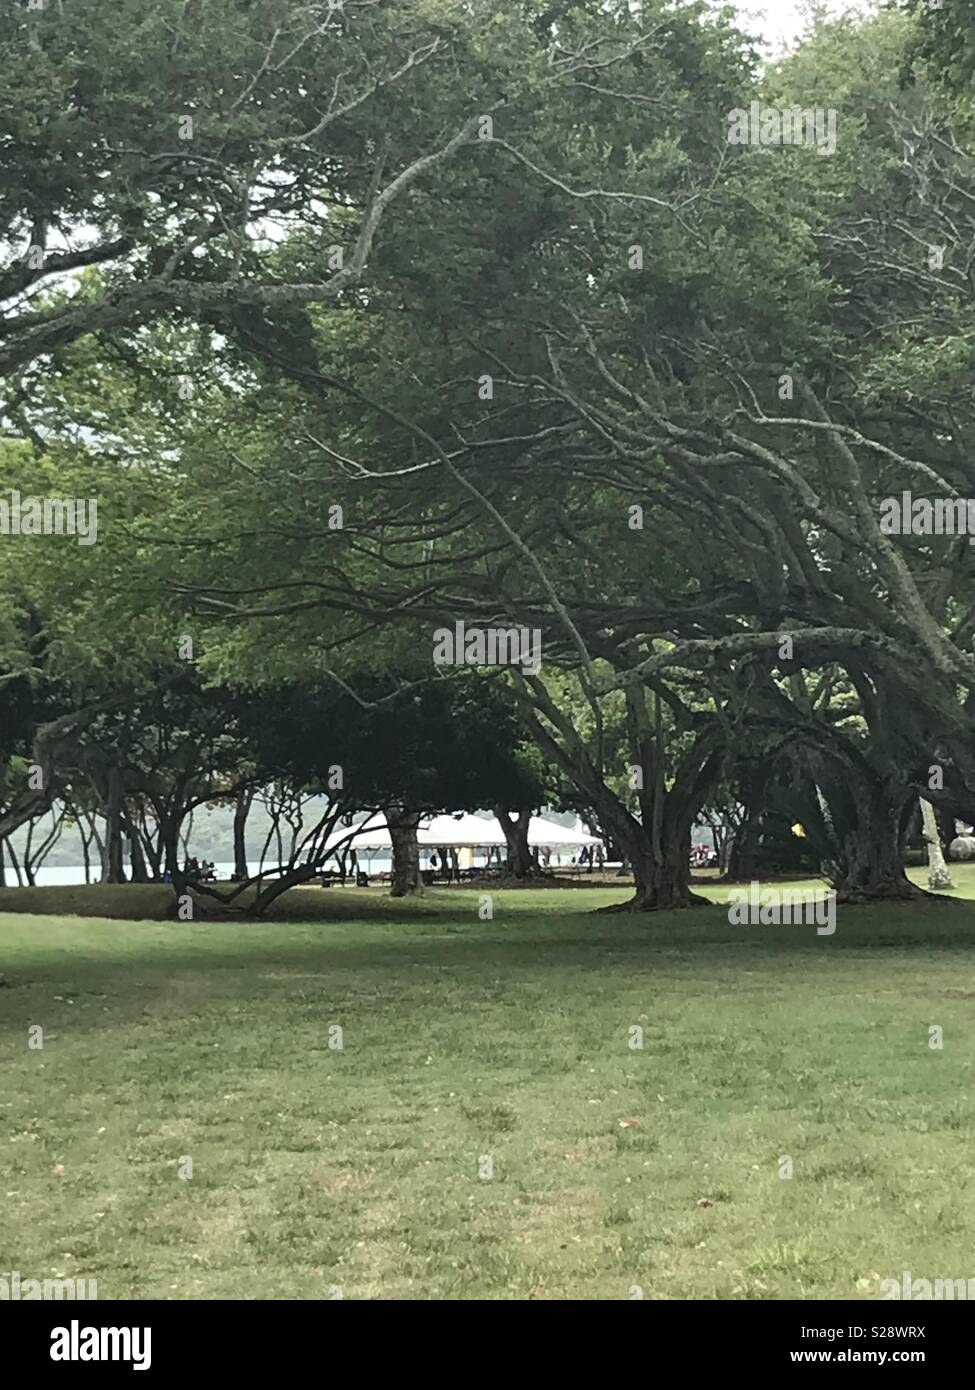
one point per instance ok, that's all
(317, 1169)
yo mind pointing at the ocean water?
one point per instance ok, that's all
(376, 863)
(75, 873)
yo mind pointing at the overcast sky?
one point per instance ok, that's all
(781, 21)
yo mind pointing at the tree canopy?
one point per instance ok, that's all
(365, 320)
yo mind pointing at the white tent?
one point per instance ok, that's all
(462, 831)
(546, 832)
(455, 832)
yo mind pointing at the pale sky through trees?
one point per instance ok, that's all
(780, 22)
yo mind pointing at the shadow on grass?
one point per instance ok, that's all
(156, 902)
(138, 965)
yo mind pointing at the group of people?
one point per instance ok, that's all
(703, 856)
(199, 871)
(591, 856)
(442, 867)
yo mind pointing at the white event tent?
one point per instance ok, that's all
(462, 832)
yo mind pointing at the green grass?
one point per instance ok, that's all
(359, 1168)
(153, 902)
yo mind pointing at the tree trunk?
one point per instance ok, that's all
(15, 864)
(28, 863)
(661, 875)
(742, 854)
(719, 841)
(946, 823)
(97, 840)
(153, 852)
(85, 850)
(521, 861)
(870, 867)
(300, 873)
(241, 810)
(939, 879)
(150, 842)
(169, 828)
(113, 870)
(137, 860)
(407, 880)
(34, 858)
(657, 840)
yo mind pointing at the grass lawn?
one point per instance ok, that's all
(508, 1038)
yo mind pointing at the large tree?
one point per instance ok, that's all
(641, 390)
